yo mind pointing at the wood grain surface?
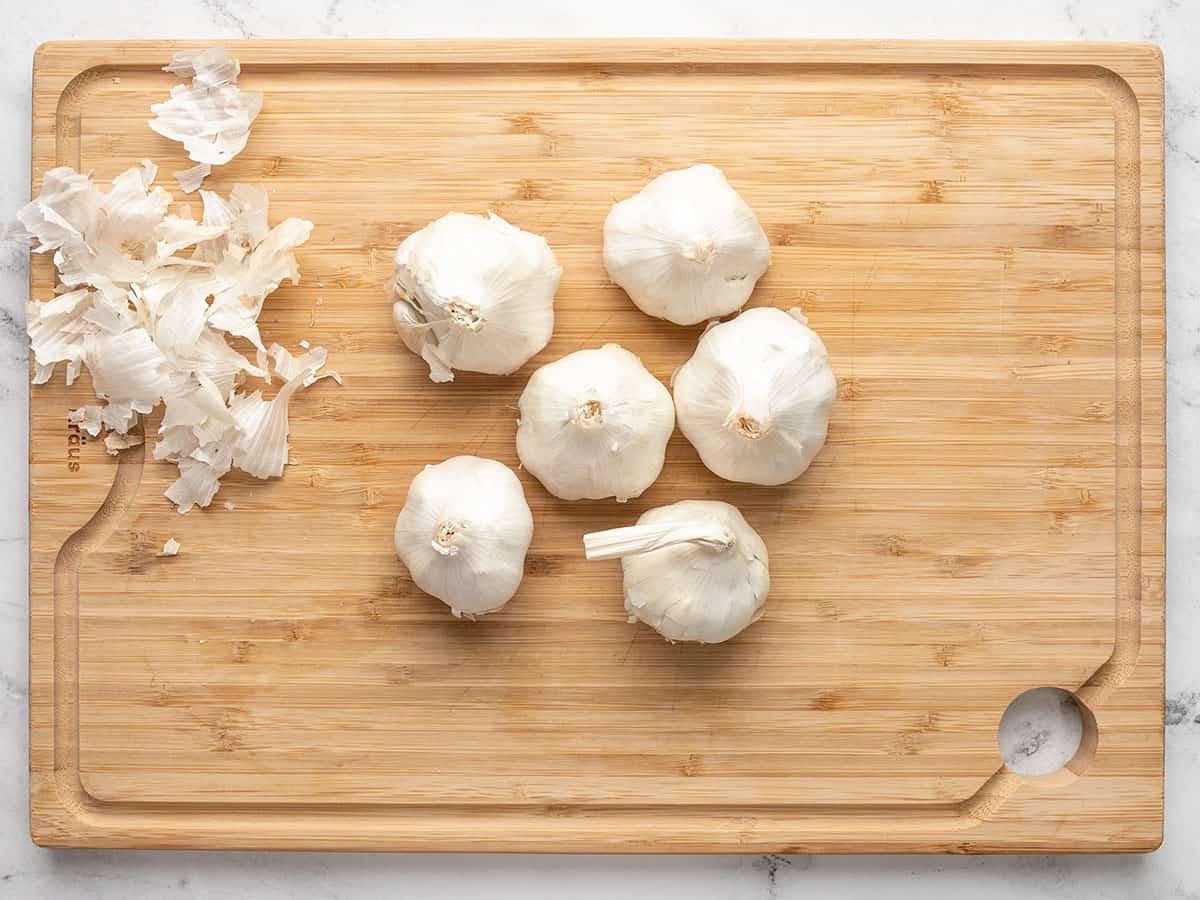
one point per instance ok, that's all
(976, 231)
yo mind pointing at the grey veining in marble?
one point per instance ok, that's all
(1173, 872)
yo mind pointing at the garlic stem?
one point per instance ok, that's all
(752, 417)
(464, 315)
(618, 542)
(747, 426)
(590, 414)
(700, 251)
(445, 535)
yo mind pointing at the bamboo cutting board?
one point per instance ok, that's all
(976, 230)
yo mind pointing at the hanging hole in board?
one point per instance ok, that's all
(1047, 734)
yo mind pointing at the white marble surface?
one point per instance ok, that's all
(1174, 871)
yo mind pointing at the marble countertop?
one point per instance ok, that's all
(1173, 871)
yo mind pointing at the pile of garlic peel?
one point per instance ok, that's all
(151, 322)
(755, 397)
(211, 117)
(687, 248)
(595, 424)
(693, 571)
(463, 534)
(474, 294)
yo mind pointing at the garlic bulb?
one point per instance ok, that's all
(693, 571)
(475, 294)
(595, 424)
(754, 399)
(687, 248)
(463, 533)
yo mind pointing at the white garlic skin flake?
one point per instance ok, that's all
(595, 424)
(687, 248)
(159, 295)
(474, 294)
(755, 397)
(693, 571)
(463, 534)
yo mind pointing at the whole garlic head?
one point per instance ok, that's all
(693, 571)
(755, 397)
(475, 294)
(463, 533)
(687, 248)
(595, 424)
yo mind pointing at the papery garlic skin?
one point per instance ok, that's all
(693, 571)
(463, 534)
(687, 248)
(158, 294)
(474, 294)
(211, 117)
(755, 397)
(595, 424)
(189, 180)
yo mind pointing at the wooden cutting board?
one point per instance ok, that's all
(976, 230)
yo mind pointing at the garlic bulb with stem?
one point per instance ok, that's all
(463, 533)
(595, 424)
(693, 571)
(687, 248)
(474, 294)
(754, 399)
